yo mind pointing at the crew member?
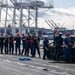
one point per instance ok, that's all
(24, 44)
(1, 43)
(18, 42)
(11, 44)
(45, 47)
(28, 44)
(35, 46)
(58, 46)
(6, 42)
(67, 48)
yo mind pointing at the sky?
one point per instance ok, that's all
(64, 3)
(63, 13)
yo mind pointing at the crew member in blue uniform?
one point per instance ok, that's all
(35, 45)
(28, 44)
(24, 44)
(18, 43)
(58, 46)
(11, 44)
(1, 43)
(6, 42)
(38, 39)
(67, 48)
(45, 47)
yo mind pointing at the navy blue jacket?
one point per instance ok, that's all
(58, 41)
(45, 43)
(18, 40)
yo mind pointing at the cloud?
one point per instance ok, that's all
(59, 15)
(41, 13)
(62, 11)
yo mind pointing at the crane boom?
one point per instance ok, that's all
(49, 24)
(54, 23)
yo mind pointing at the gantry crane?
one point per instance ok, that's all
(20, 6)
